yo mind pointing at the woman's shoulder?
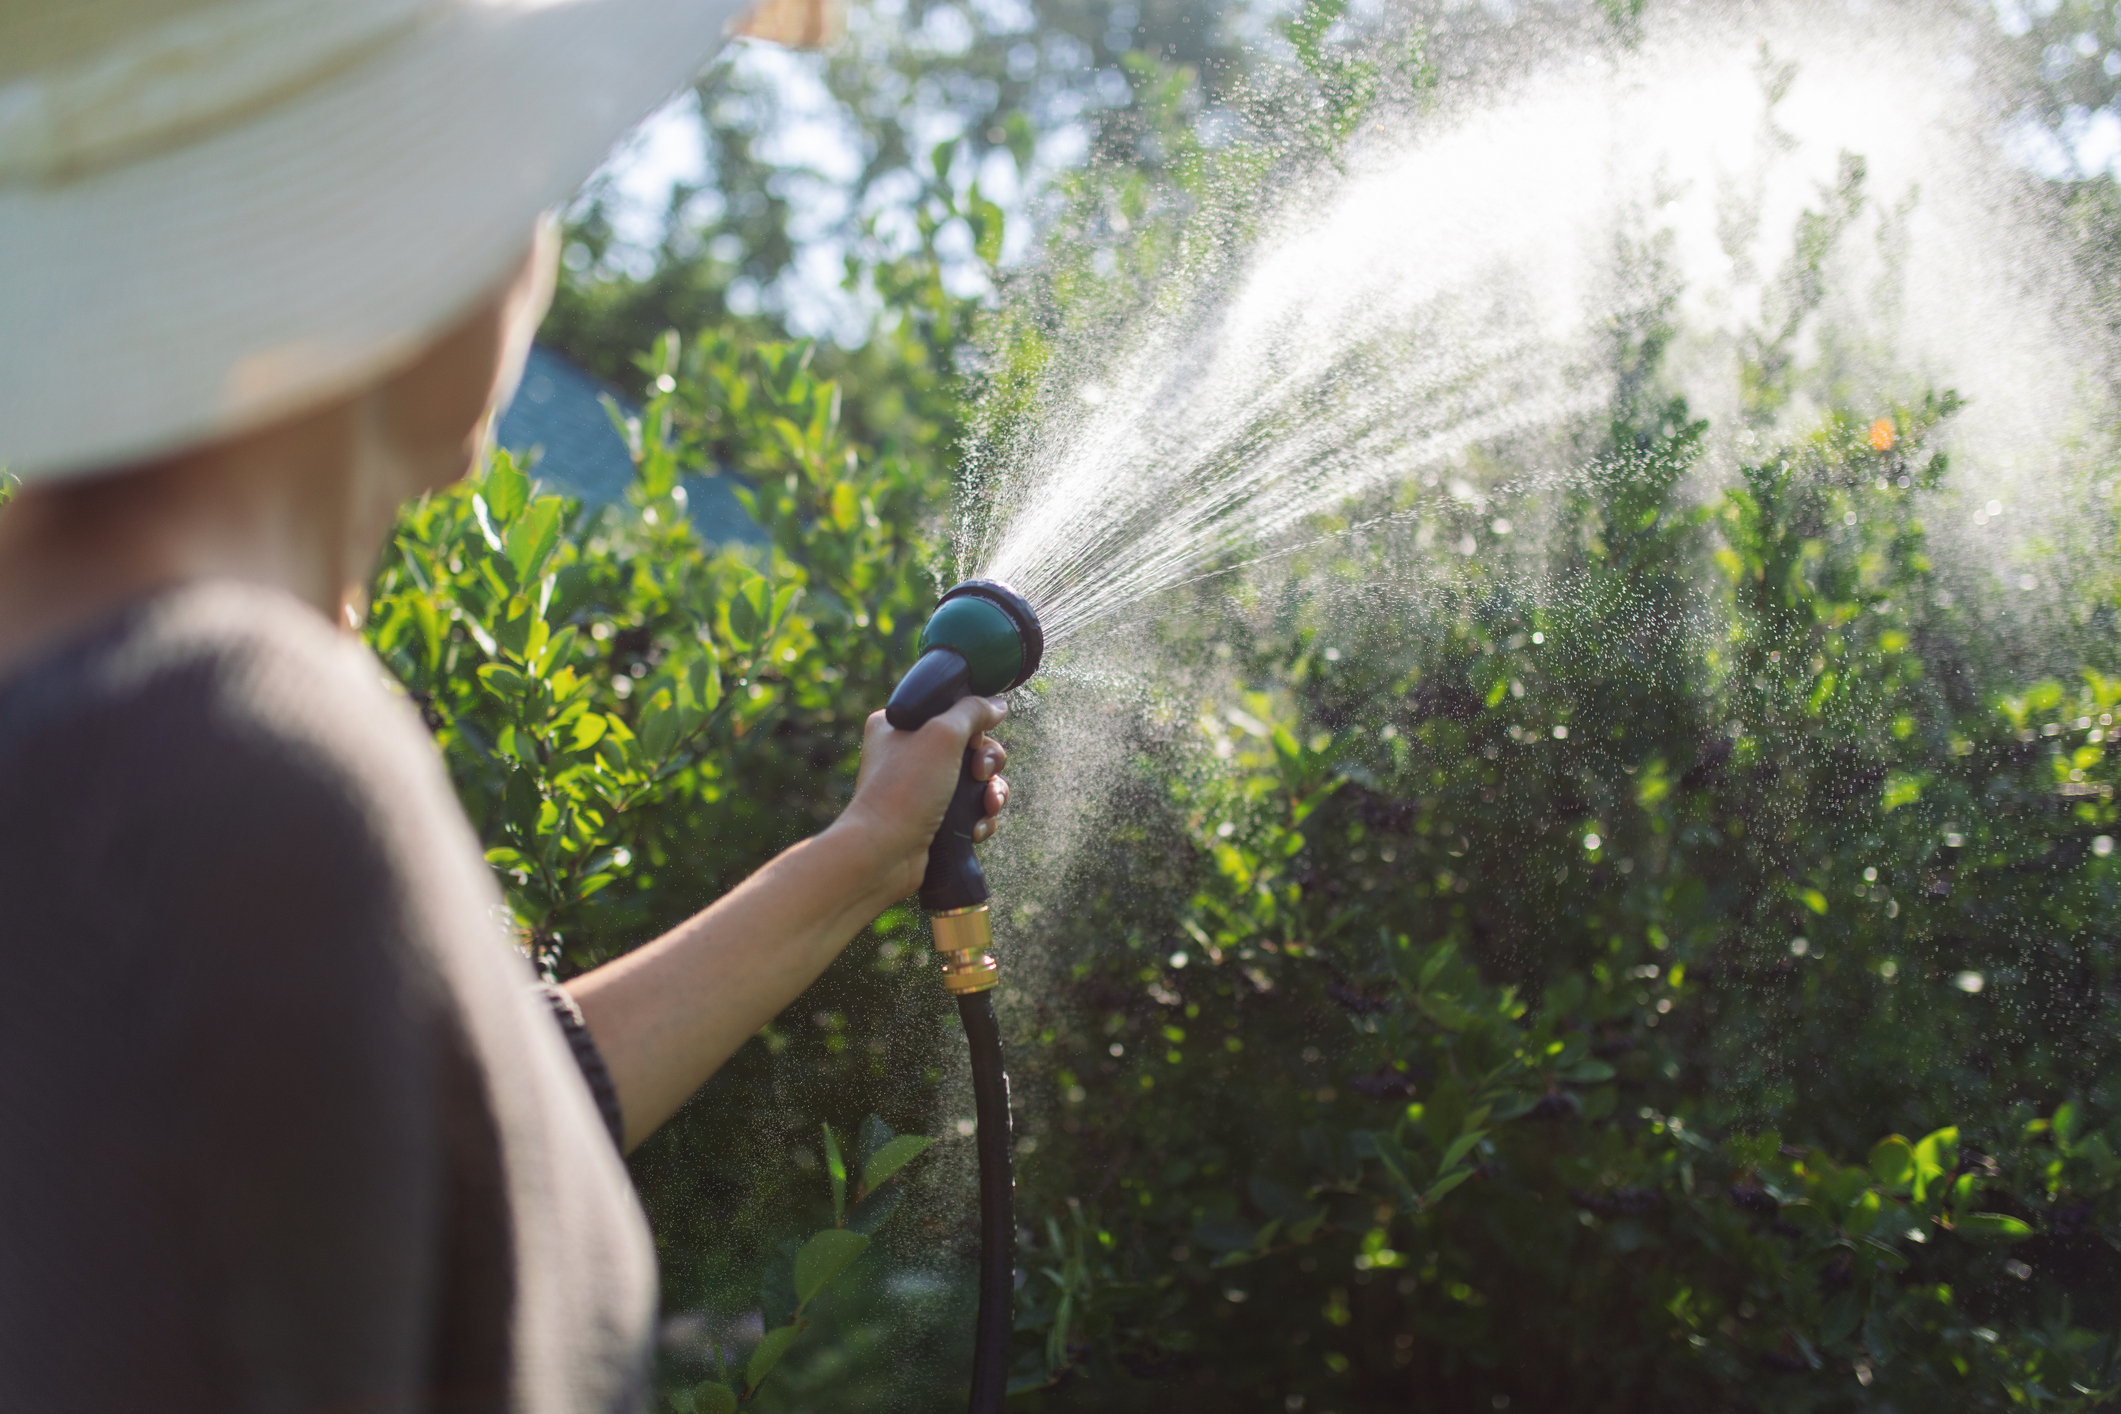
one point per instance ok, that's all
(219, 742)
(214, 673)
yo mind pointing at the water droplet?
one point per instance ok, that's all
(664, 383)
(1502, 526)
(1800, 946)
(1994, 508)
(1539, 638)
(1332, 655)
(1591, 841)
(1116, 1049)
(968, 1127)
(1969, 982)
(2103, 845)
(1561, 733)
(1870, 875)
(1179, 959)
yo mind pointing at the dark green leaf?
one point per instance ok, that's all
(768, 1354)
(893, 1156)
(824, 1257)
(712, 1398)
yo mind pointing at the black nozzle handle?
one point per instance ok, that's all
(937, 683)
(934, 685)
(954, 878)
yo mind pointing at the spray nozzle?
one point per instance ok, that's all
(983, 638)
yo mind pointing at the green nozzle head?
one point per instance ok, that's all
(983, 638)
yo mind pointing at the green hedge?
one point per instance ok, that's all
(1667, 958)
(1440, 1026)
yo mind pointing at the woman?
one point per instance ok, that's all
(291, 1126)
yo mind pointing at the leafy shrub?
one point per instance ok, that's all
(1638, 954)
(1460, 1055)
(1693, 983)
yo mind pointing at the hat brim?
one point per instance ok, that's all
(305, 252)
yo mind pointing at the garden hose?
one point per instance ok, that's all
(983, 638)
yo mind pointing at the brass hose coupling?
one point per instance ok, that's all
(962, 936)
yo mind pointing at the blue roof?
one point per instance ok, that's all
(558, 413)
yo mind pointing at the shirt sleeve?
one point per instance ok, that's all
(586, 1055)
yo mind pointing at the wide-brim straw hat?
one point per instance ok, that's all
(215, 213)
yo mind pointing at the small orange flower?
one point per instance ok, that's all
(1882, 436)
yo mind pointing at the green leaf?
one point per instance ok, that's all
(703, 679)
(503, 681)
(873, 1211)
(554, 650)
(836, 1169)
(824, 1257)
(1893, 1162)
(506, 489)
(1434, 967)
(875, 1133)
(988, 226)
(1590, 1072)
(1444, 1185)
(846, 506)
(1997, 1226)
(589, 729)
(1806, 1214)
(747, 611)
(711, 1398)
(893, 1156)
(532, 539)
(768, 1353)
(660, 725)
(1890, 1256)
(2064, 1125)
(1901, 789)
(1936, 1155)
(1458, 1149)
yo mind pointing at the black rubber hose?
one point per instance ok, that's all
(997, 1204)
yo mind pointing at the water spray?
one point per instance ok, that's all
(983, 638)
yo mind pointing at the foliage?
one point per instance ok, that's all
(1636, 949)
(636, 719)
(1676, 964)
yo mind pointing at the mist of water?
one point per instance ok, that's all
(1458, 285)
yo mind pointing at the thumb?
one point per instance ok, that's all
(969, 717)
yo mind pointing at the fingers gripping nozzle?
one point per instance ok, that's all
(983, 638)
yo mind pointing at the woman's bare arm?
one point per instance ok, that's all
(666, 1016)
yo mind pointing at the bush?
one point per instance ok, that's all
(1531, 1005)
(1674, 965)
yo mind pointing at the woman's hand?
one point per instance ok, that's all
(665, 1016)
(906, 782)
